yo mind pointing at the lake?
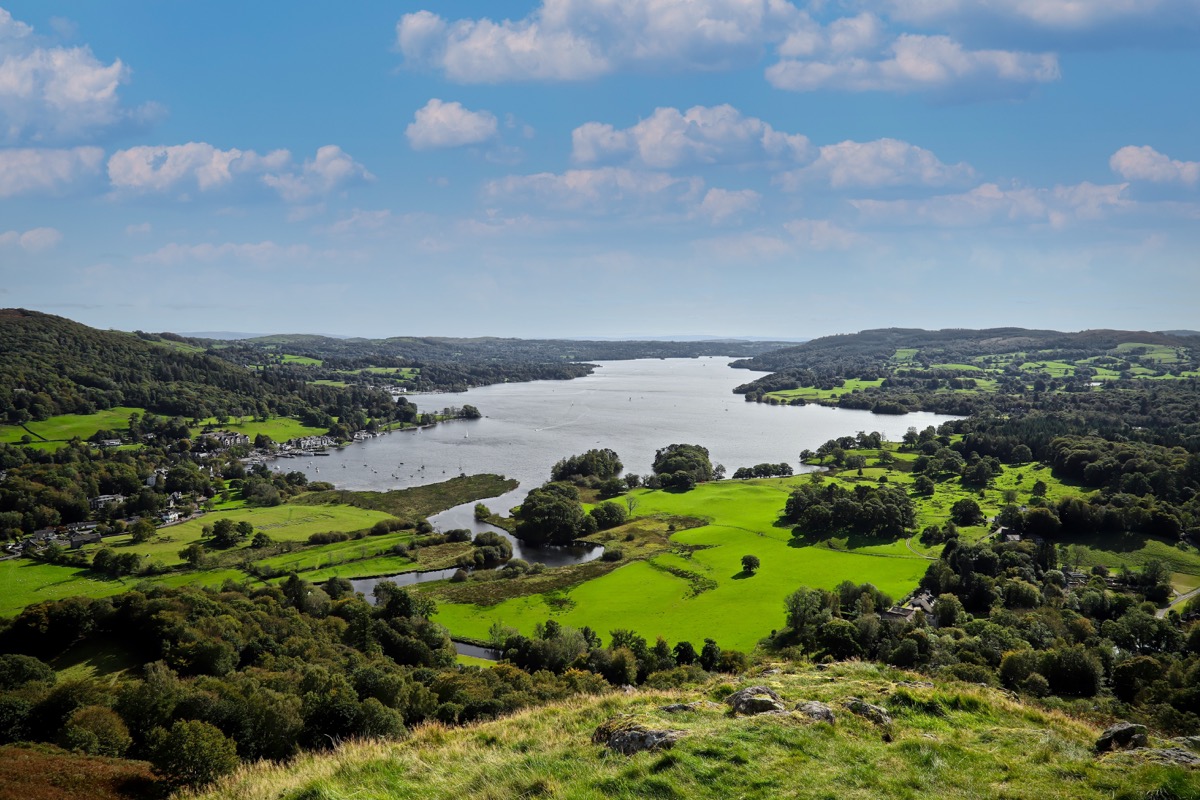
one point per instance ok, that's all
(632, 407)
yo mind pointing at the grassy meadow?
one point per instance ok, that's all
(946, 742)
(67, 426)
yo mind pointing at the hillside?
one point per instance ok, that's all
(954, 740)
(877, 347)
(50, 365)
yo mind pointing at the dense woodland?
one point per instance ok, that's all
(55, 366)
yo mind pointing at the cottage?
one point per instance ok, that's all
(78, 540)
(105, 500)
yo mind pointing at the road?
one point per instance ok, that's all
(1183, 598)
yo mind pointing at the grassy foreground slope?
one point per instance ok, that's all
(952, 741)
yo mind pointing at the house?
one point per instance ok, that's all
(229, 438)
(170, 516)
(78, 540)
(105, 500)
(310, 442)
(907, 612)
(110, 442)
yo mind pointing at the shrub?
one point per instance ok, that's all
(192, 753)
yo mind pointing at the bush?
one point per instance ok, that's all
(97, 731)
(192, 753)
(612, 554)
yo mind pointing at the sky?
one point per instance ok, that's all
(603, 168)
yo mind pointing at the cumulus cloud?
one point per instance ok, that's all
(28, 170)
(157, 168)
(331, 169)
(199, 165)
(991, 203)
(1147, 164)
(52, 94)
(581, 39)
(701, 135)
(917, 63)
(439, 124)
(31, 241)
(597, 190)
(720, 205)
(884, 162)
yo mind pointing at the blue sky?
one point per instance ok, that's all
(601, 167)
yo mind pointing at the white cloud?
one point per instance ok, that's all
(199, 165)
(720, 205)
(1055, 15)
(24, 170)
(34, 240)
(884, 162)
(581, 39)
(331, 169)
(253, 252)
(918, 63)
(991, 203)
(595, 189)
(822, 234)
(1147, 164)
(138, 229)
(157, 168)
(700, 135)
(441, 124)
(56, 93)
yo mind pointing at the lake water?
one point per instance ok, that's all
(632, 407)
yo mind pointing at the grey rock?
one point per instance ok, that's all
(1122, 736)
(676, 708)
(1188, 742)
(755, 700)
(1170, 755)
(815, 710)
(870, 712)
(916, 684)
(627, 736)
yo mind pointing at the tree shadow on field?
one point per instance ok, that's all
(853, 541)
(741, 576)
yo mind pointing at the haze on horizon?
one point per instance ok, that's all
(645, 168)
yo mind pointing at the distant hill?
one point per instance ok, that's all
(51, 365)
(879, 345)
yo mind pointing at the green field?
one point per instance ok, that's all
(738, 610)
(813, 393)
(280, 429)
(284, 523)
(68, 426)
(23, 582)
(304, 361)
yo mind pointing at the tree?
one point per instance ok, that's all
(608, 515)
(192, 753)
(750, 564)
(143, 530)
(691, 459)
(551, 514)
(710, 655)
(966, 512)
(225, 533)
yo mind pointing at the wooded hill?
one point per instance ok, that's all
(876, 349)
(50, 365)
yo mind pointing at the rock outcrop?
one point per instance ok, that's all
(627, 736)
(816, 711)
(1122, 736)
(755, 700)
(870, 712)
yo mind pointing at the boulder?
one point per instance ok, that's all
(754, 700)
(676, 708)
(816, 711)
(870, 712)
(1122, 736)
(627, 736)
